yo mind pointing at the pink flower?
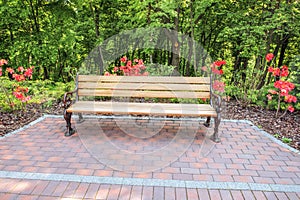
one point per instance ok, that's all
(284, 71)
(1, 71)
(25, 99)
(217, 71)
(123, 59)
(219, 86)
(204, 68)
(142, 66)
(290, 99)
(18, 95)
(20, 69)
(274, 71)
(28, 72)
(284, 87)
(270, 69)
(272, 91)
(269, 57)
(3, 62)
(116, 69)
(129, 63)
(106, 74)
(291, 108)
(10, 70)
(18, 77)
(269, 97)
(141, 62)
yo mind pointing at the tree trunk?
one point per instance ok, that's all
(98, 58)
(284, 46)
(235, 67)
(175, 43)
(149, 22)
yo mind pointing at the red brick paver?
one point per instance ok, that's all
(244, 155)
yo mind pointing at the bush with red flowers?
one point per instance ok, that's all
(282, 88)
(16, 91)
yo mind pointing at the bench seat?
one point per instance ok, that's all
(148, 109)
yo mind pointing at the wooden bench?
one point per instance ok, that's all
(140, 91)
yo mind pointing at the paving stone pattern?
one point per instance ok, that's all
(38, 162)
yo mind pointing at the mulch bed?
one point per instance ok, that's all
(285, 127)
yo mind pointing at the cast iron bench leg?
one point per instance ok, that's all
(67, 117)
(215, 136)
(207, 123)
(80, 118)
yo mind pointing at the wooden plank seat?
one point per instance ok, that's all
(139, 95)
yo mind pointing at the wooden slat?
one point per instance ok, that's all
(146, 94)
(144, 79)
(153, 109)
(144, 86)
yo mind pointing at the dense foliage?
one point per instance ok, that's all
(55, 36)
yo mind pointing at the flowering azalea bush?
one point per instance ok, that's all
(16, 91)
(282, 88)
(128, 68)
(216, 69)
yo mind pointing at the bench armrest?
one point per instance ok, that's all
(67, 101)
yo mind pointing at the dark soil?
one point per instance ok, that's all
(286, 128)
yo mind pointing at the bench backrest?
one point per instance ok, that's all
(144, 86)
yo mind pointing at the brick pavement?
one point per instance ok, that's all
(38, 162)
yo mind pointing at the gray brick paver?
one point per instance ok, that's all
(103, 192)
(114, 192)
(203, 194)
(270, 195)
(92, 191)
(40, 187)
(281, 196)
(31, 184)
(296, 181)
(60, 189)
(192, 194)
(50, 188)
(70, 190)
(181, 193)
(170, 193)
(147, 193)
(6, 185)
(125, 192)
(292, 195)
(136, 192)
(236, 194)
(158, 193)
(248, 195)
(259, 195)
(81, 190)
(225, 195)
(268, 174)
(215, 194)
(8, 196)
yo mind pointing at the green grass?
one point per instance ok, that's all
(286, 140)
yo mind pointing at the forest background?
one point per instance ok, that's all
(56, 36)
